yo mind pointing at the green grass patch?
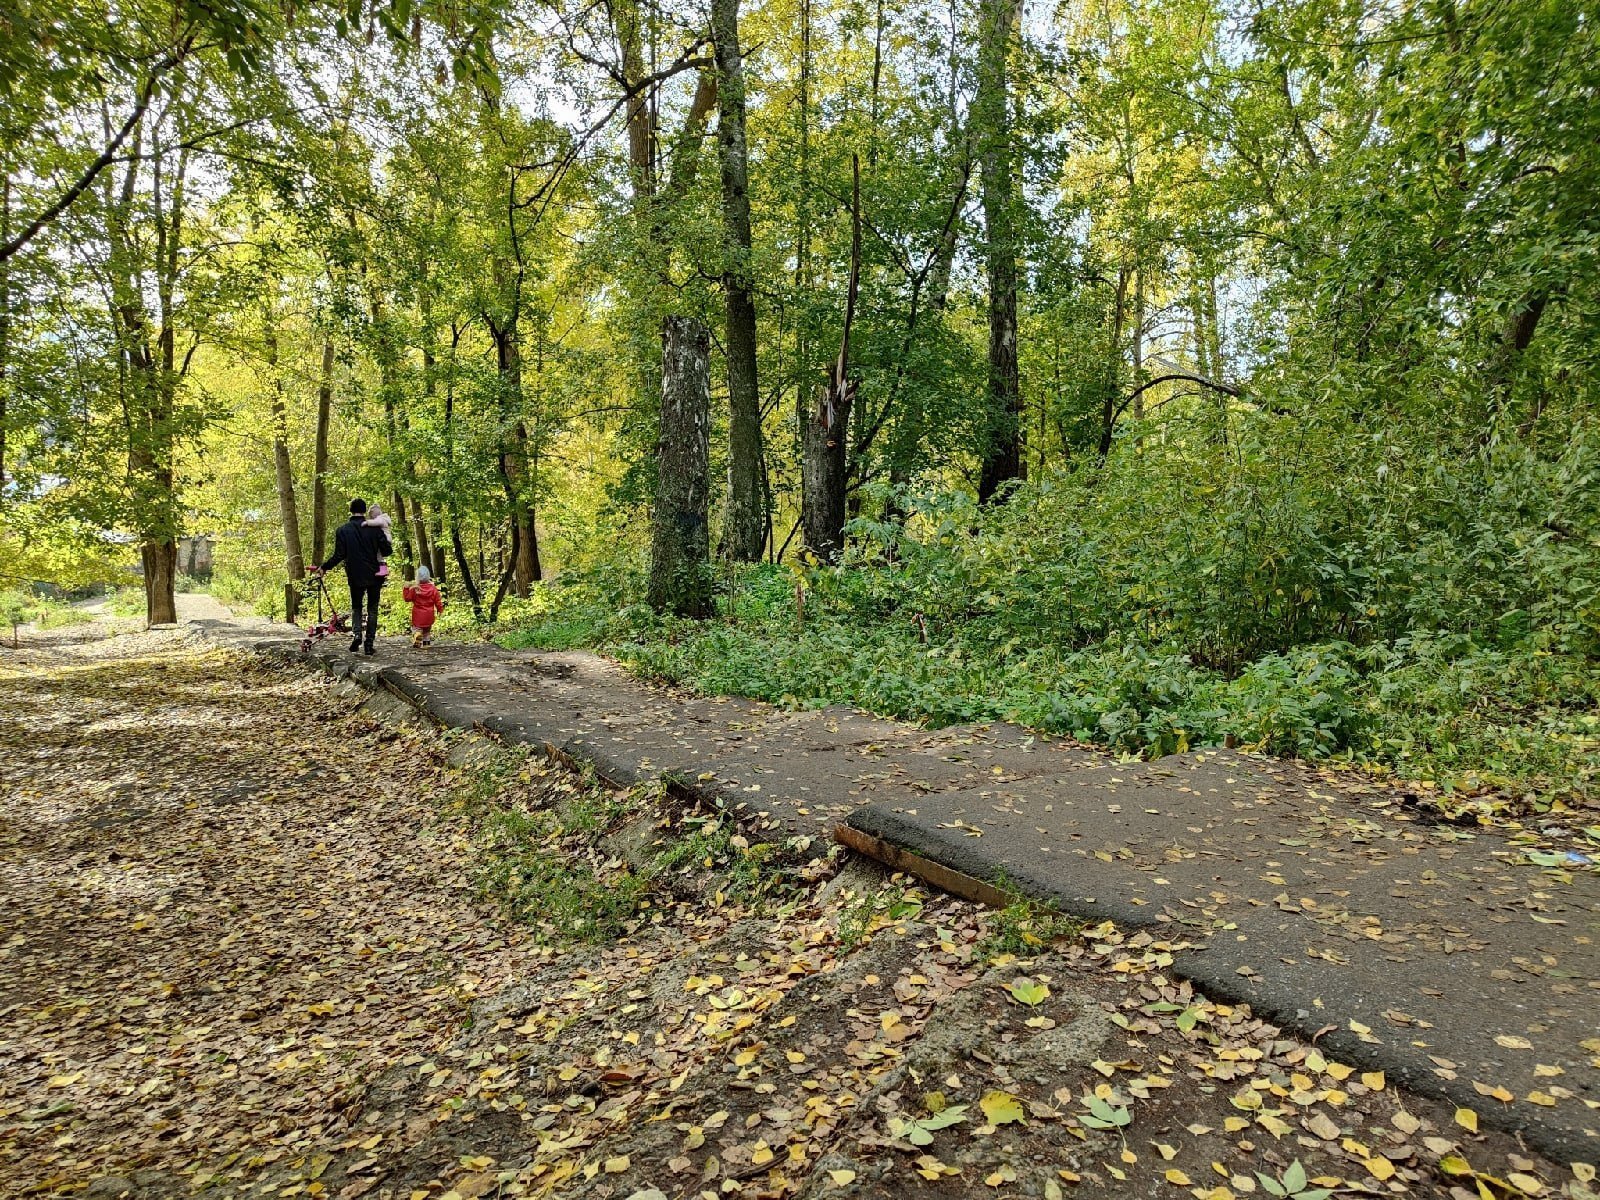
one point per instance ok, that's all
(541, 833)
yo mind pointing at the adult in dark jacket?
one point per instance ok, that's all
(360, 547)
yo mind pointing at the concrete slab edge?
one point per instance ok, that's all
(959, 864)
(1214, 970)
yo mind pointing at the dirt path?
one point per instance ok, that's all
(242, 954)
(219, 918)
(1461, 960)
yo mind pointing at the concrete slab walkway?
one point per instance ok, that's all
(1456, 961)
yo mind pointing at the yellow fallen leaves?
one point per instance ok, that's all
(617, 1165)
(1001, 1108)
(1028, 991)
(1467, 1119)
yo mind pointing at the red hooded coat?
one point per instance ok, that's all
(426, 604)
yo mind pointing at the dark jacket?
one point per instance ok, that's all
(358, 546)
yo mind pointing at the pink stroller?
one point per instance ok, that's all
(316, 584)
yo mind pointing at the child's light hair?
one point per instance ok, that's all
(423, 574)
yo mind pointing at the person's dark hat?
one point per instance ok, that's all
(358, 507)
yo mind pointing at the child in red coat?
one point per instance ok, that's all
(426, 605)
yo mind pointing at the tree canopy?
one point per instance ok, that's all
(1249, 327)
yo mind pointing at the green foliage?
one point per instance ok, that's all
(1449, 634)
(544, 853)
(867, 911)
(1025, 926)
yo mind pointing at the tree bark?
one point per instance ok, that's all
(680, 547)
(745, 523)
(525, 568)
(5, 327)
(1500, 370)
(824, 463)
(148, 371)
(419, 531)
(319, 466)
(294, 562)
(1002, 452)
(465, 567)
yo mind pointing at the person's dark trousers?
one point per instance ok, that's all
(364, 596)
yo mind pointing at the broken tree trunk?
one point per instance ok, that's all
(680, 544)
(823, 459)
(1002, 454)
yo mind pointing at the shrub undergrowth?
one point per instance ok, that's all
(1452, 637)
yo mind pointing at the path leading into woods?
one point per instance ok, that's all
(1463, 962)
(250, 945)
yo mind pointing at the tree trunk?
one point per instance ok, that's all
(1137, 348)
(525, 569)
(823, 460)
(319, 467)
(419, 530)
(680, 546)
(5, 328)
(1002, 452)
(388, 387)
(436, 562)
(159, 557)
(823, 467)
(1500, 368)
(745, 523)
(148, 371)
(294, 562)
(465, 567)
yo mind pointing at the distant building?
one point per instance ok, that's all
(194, 556)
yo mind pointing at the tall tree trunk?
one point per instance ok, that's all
(464, 566)
(436, 560)
(524, 570)
(5, 329)
(641, 126)
(319, 466)
(294, 562)
(419, 531)
(388, 387)
(745, 522)
(680, 546)
(149, 371)
(1137, 347)
(824, 462)
(802, 232)
(1002, 453)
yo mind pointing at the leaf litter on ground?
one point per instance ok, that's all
(249, 950)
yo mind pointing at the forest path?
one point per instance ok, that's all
(218, 917)
(1464, 963)
(242, 954)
